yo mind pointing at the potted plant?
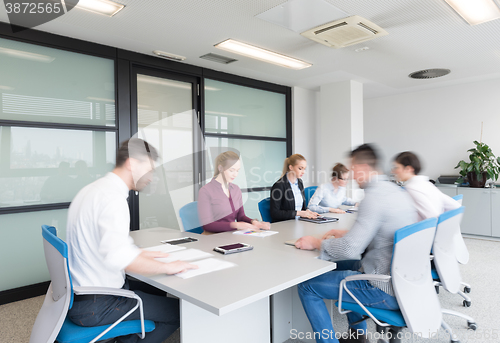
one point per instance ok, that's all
(483, 165)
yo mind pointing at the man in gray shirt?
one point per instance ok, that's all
(385, 209)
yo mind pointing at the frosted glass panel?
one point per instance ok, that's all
(262, 161)
(50, 85)
(40, 166)
(23, 262)
(166, 121)
(242, 110)
(251, 203)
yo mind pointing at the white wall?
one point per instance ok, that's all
(304, 107)
(439, 125)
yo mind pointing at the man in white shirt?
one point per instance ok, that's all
(101, 250)
(428, 199)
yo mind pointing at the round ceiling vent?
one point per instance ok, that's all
(429, 73)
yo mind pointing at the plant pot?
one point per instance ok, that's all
(474, 182)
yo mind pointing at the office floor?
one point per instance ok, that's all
(16, 319)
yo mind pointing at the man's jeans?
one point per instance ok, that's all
(107, 309)
(326, 286)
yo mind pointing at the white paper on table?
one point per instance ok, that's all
(255, 233)
(185, 255)
(206, 266)
(166, 248)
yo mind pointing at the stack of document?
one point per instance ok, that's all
(255, 233)
(166, 248)
(206, 266)
(204, 260)
(185, 255)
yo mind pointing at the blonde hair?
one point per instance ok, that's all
(292, 161)
(223, 160)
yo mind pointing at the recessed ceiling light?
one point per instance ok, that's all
(105, 7)
(262, 54)
(429, 73)
(476, 11)
(169, 56)
(362, 49)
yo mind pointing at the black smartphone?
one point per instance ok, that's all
(182, 240)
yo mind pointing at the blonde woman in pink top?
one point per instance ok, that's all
(220, 202)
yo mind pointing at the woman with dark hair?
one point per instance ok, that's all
(329, 196)
(220, 202)
(287, 194)
(429, 201)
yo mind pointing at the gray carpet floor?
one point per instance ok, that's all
(482, 273)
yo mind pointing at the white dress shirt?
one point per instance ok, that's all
(429, 200)
(326, 197)
(297, 194)
(100, 247)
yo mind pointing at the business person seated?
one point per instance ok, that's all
(287, 194)
(429, 200)
(101, 250)
(385, 209)
(329, 196)
(220, 202)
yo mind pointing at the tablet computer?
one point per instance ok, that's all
(176, 241)
(233, 248)
(320, 220)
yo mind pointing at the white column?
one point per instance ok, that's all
(340, 125)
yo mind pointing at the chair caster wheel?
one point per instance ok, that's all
(472, 326)
(466, 289)
(467, 303)
(452, 341)
(437, 289)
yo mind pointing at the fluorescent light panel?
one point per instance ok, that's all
(26, 55)
(262, 54)
(105, 7)
(475, 11)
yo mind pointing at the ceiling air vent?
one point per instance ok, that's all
(345, 32)
(218, 58)
(429, 73)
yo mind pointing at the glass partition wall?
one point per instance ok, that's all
(58, 133)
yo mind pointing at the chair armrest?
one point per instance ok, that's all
(104, 291)
(357, 277)
(372, 277)
(117, 292)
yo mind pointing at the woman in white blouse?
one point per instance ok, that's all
(329, 196)
(429, 200)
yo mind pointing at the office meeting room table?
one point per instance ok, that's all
(242, 303)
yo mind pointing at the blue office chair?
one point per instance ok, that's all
(447, 273)
(190, 219)
(412, 282)
(309, 192)
(265, 209)
(458, 198)
(51, 323)
(460, 247)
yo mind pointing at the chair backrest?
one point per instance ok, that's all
(412, 279)
(189, 217)
(458, 198)
(460, 247)
(265, 209)
(444, 249)
(59, 297)
(309, 192)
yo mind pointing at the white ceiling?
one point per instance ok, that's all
(422, 34)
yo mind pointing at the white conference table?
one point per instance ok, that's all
(240, 304)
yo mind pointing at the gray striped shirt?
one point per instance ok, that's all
(385, 209)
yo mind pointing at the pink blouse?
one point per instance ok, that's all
(217, 211)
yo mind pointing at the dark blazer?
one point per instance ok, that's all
(283, 201)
